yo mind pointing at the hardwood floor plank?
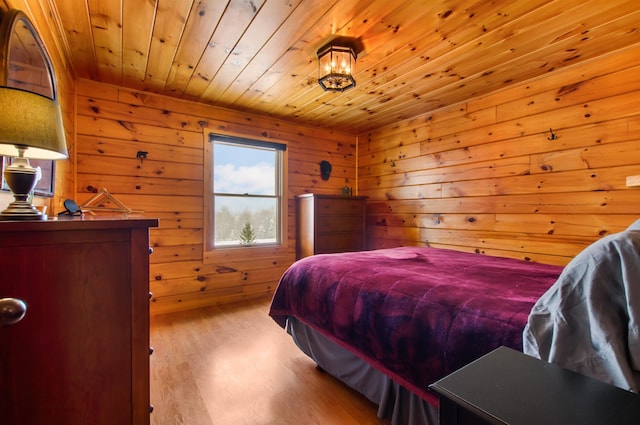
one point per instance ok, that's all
(233, 365)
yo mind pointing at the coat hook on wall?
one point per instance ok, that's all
(142, 155)
(553, 136)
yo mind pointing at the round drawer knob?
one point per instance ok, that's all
(12, 311)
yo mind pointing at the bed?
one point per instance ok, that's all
(390, 322)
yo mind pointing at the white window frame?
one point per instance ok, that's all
(209, 192)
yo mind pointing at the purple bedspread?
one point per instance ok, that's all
(414, 313)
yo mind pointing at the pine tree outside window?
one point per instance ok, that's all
(246, 192)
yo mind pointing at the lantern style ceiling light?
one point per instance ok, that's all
(336, 63)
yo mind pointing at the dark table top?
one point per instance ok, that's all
(509, 387)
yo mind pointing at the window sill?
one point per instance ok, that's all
(243, 253)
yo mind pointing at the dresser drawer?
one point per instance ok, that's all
(339, 206)
(339, 242)
(332, 223)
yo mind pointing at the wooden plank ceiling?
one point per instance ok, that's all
(260, 55)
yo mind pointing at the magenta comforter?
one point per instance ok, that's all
(414, 313)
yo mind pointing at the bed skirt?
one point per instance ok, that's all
(396, 403)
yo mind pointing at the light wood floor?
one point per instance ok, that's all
(233, 365)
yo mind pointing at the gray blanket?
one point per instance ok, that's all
(588, 320)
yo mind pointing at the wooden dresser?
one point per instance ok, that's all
(329, 223)
(81, 353)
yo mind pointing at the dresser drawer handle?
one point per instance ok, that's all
(12, 310)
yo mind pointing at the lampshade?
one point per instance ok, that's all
(336, 63)
(31, 121)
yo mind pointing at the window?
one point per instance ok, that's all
(246, 192)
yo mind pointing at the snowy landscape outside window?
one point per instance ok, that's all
(247, 192)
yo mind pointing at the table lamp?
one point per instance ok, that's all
(30, 127)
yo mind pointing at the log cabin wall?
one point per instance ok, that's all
(480, 176)
(488, 176)
(114, 123)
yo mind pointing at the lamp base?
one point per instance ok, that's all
(21, 178)
(21, 211)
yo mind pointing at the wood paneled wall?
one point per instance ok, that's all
(483, 176)
(488, 176)
(113, 124)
